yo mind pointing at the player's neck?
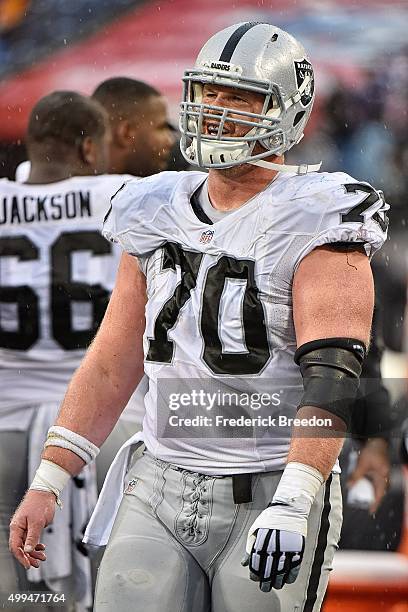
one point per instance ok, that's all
(118, 157)
(231, 188)
(42, 173)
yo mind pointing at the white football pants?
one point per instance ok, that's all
(178, 541)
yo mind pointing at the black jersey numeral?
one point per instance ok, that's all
(355, 214)
(161, 349)
(63, 292)
(24, 297)
(253, 320)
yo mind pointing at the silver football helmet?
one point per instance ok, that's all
(256, 57)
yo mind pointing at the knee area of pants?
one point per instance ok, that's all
(131, 578)
(141, 562)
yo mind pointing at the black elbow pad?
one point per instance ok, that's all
(331, 369)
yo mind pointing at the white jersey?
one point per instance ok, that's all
(220, 335)
(56, 275)
(23, 172)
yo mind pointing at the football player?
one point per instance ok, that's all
(238, 283)
(141, 144)
(142, 136)
(56, 276)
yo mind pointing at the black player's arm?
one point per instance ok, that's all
(371, 421)
(110, 370)
(372, 414)
(333, 297)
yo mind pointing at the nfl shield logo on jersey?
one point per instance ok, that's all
(206, 236)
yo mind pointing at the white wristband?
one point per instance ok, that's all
(66, 438)
(50, 477)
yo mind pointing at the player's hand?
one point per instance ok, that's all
(374, 463)
(35, 512)
(274, 555)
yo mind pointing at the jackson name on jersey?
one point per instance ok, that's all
(219, 311)
(56, 275)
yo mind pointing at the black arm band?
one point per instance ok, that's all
(331, 369)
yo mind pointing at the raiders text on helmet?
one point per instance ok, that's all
(256, 57)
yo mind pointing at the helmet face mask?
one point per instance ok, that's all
(261, 126)
(261, 59)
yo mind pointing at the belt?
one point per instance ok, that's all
(241, 488)
(241, 483)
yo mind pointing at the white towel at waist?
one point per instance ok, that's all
(100, 526)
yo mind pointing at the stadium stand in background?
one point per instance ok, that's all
(12, 14)
(33, 29)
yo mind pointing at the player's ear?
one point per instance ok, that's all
(88, 151)
(123, 133)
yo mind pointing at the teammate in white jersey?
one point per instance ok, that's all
(229, 282)
(56, 276)
(140, 145)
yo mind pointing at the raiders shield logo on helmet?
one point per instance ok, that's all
(304, 69)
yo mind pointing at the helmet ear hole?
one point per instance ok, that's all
(298, 117)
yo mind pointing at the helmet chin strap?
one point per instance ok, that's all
(300, 169)
(234, 152)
